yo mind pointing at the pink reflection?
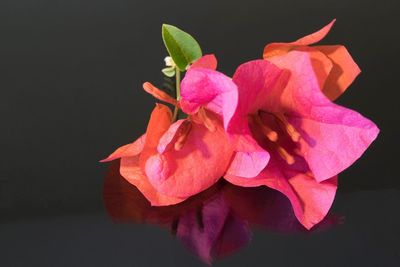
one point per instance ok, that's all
(213, 224)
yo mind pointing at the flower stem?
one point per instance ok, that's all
(178, 91)
(178, 84)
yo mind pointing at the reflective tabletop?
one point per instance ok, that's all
(71, 92)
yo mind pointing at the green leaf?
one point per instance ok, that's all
(181, 46)
(169, 72)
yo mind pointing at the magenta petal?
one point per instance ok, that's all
(317, 198)
(332, 137)
(197, 165)
(248, 164)
(167, 140)
(209, 88)
(131, 171)
(250, 159)
(255, 79)
(330, 145)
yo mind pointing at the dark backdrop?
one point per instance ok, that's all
(71, 74)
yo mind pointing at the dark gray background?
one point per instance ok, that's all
(70, 80)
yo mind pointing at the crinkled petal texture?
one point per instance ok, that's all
(253, 79)
(310, 200)
(131, 171)
(175, 161)
(203, 87)
(343, 73)
(193, 167)
(133, 154)
(343, 70)
(249, 158)
(332, 137)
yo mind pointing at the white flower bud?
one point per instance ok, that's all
(169, 62)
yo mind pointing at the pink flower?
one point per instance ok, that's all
(286, 133)
(175, 160)
(310, 139)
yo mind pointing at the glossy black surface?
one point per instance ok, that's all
(71, 75)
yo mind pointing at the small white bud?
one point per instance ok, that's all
(169, 62)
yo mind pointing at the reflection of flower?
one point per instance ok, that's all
(212, 224)
(176, 160)
(203, 223)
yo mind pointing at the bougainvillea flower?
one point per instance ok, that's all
(178, 159)
(310, 139)
(333, 65)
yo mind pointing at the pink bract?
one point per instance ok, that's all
(310, 139)
(333, 65)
